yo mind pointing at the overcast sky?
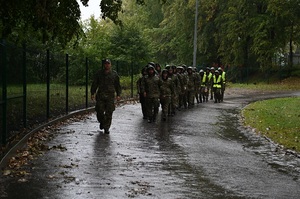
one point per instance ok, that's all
(92, 9)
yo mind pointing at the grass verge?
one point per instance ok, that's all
(277, 119)
(289, 84)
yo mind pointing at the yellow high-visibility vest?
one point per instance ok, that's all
(217, 82)
(204, 80)
(210, 76)
(224, 76)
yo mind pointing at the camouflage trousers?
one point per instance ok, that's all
(105, 107)
(173, 104)
(183, 99)
(152, 106)
(223, 90)
(165, 102)
(143, 105)
(190, 98)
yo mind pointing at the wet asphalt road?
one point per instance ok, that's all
(203, 152)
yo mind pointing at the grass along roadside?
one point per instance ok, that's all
(289, 84)
(277, 119)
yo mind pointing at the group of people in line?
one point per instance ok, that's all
(177, 87)
(174, 88)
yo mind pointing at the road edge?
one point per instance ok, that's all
(22, 142)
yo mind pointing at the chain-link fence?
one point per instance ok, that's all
(39, 85)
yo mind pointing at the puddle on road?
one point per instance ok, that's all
(276, 157)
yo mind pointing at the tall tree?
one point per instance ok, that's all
(174, 37)
(286, 14)
(208, 30)
(49, 19)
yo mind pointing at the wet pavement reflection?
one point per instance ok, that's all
(203, 152)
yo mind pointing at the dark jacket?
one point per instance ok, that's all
(106, 84)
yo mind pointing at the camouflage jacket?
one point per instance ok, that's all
(139, 84)
(106, 84)
(151, 85)
(166, 88)
(183, 82)
(176, 83)
(191, 83)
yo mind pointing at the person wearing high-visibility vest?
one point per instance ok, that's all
(203, 86)
(217, 86)
(210, 77)
(223, 75)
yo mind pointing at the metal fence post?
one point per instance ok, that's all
(48, 83)
(4, 91)
(24, 88)
(131, 82)
(247, 76)
(67, 83)
(86, 82)
(117, 67)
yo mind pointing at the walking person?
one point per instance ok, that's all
(142, 99)
(223, 75)
(191, 86)
(166, 92)
(183, 81)
(208, 83)
(217, 86)
(105, 85)
(150, 89)
(197, 84)
(203, 86)
(174, 99)
(211, 78)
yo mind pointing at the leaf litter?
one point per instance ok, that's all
(36, 146)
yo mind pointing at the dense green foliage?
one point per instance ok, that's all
(248, 36)
(39, 20)
(257, 34)
(245, 32)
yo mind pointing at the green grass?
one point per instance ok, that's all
(289, 84)
(36, 105)
(37, 101)
(280, 116)
(278, 119)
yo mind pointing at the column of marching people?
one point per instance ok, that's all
(177, 87)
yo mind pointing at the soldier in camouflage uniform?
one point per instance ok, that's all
(183, 81)
(141, 95)
(223, 75)
(106, 83)
(150, 89)
(210, 76)
(185, 76)
(177, 86)
(166, 91)
(174, 98)
(158, 69)
(191, 86)
(197, 84)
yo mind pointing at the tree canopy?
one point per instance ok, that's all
(51, 19)
(230, 32)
